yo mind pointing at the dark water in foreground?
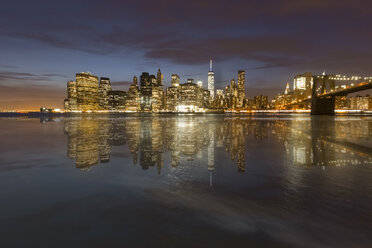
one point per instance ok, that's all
(186, 181)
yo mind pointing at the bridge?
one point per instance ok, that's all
(323, 100)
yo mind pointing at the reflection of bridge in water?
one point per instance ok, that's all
(325, 91)
(313, 141)
(326, 141)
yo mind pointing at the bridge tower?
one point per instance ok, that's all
(322, 105)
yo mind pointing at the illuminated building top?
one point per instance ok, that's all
(211, 80)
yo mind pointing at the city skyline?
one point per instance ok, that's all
(319, 94)
(42, 43)
(242, 92)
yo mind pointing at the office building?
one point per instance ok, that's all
(104, 89)
(133, 99)
(260, 102)
(241, 89)
(175, 80)
(211, 80)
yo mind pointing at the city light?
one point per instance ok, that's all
(91, 94)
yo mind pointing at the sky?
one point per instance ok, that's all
(43, 43)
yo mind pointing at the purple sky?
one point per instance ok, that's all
(44, 43)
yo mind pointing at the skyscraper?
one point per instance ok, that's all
(87, 91)
(159, 78)
(233, 94)
(145, 79)
(146, 90)
(104, 89)
(175, 80)
(135, 82)
(132, 102)
(241, 88)
(211, 80)
(302, 85)
(71, 101)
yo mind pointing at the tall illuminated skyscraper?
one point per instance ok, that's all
(103, 93)
(87, 87)
(159, 78)
(211, 80)
(241, 88)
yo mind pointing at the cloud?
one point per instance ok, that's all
(193, 31)
(25, 76)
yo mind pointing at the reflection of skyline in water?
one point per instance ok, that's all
(305, 141)
(278, 187)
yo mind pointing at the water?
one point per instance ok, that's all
(186, 181)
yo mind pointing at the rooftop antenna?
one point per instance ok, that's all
(210, 65)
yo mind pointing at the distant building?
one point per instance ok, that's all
(83, 93)
(361, 103)
(172, 98)
(232, 94)
(219, 92)
(211, 80)
(133, 101)
(250, 104)
(206, 98)
(146, 90)
(219, 99)
(71, 101)
(241, 89)
(87, 91)
(156, 98)
(104, 89)
(160, 78)
(260, 102)
(302, 85)
(117, 100)
(188, 98)
(342, 102)
(190, 80)
(175, 80)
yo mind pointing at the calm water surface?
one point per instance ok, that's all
(186, 181)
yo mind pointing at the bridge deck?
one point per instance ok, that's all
(349, 89)
(339, 92)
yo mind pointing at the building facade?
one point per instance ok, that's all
(104, 90)
(241, 89)
(133, 99)
(211, 80)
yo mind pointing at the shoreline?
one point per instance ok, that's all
(144, 114)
